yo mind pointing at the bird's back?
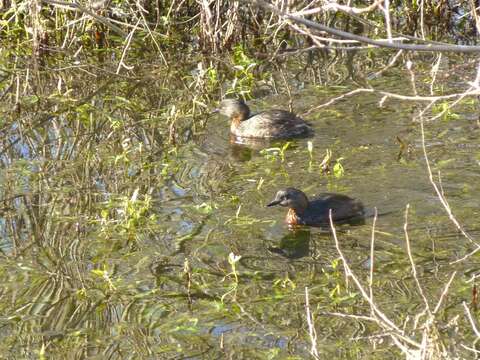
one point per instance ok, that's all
(273, 124)
(344, 210)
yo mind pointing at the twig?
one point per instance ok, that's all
(389, 65)
(372, 249)
(471, 349)
(469, 92)
(386, 12)
(444, 292)
(311, 327)
(337, 7)
(434, 72)
(409, 65)
(440, 196)
(125, 49)
(412, 262)
(470, 318)
(150, 32)
(475, 15)
(78, 7)
(356, 317)
(380, 318)
(422, 27)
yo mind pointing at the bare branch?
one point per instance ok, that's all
(470, 318)
(311, 327)
(470, 92)
(381, 319)
(440, 196)
(372, 257)
(412, 262)
(444, 293)
(78, 7)
(363, 39)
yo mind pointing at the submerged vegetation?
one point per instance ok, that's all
(131, 228)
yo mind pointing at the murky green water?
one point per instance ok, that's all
(114, 246)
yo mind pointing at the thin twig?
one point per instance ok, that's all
(332, 6)
(372, 250)
(311, 327)
(356, 317)
(469, 348)
(470, 318)
(469, 92)
(434, 72)
(125, 49)
(412, 262)
(440, 196)
(422, 27)
(444, 293)
(381, 318)
(386, 12)
(391, 63)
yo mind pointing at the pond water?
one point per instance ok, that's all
(125, 246)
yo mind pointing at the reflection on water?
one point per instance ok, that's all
(295, 244)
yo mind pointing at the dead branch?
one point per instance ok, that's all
(363, 39)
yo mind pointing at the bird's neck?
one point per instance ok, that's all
(236, 121)
(292, 217)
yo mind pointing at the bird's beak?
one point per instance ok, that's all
(274, 202)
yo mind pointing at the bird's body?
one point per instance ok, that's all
(316, 212)
(269, 124)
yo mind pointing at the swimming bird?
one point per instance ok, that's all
(269, 124)
(315, 212)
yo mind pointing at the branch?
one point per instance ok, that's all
(363, 39)
(469, 92)
(380, 318)
(80, 8)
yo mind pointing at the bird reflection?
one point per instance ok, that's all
(294, 245)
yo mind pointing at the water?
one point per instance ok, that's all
(122, 240)
(239, 182)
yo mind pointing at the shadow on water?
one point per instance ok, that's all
(294, 245)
